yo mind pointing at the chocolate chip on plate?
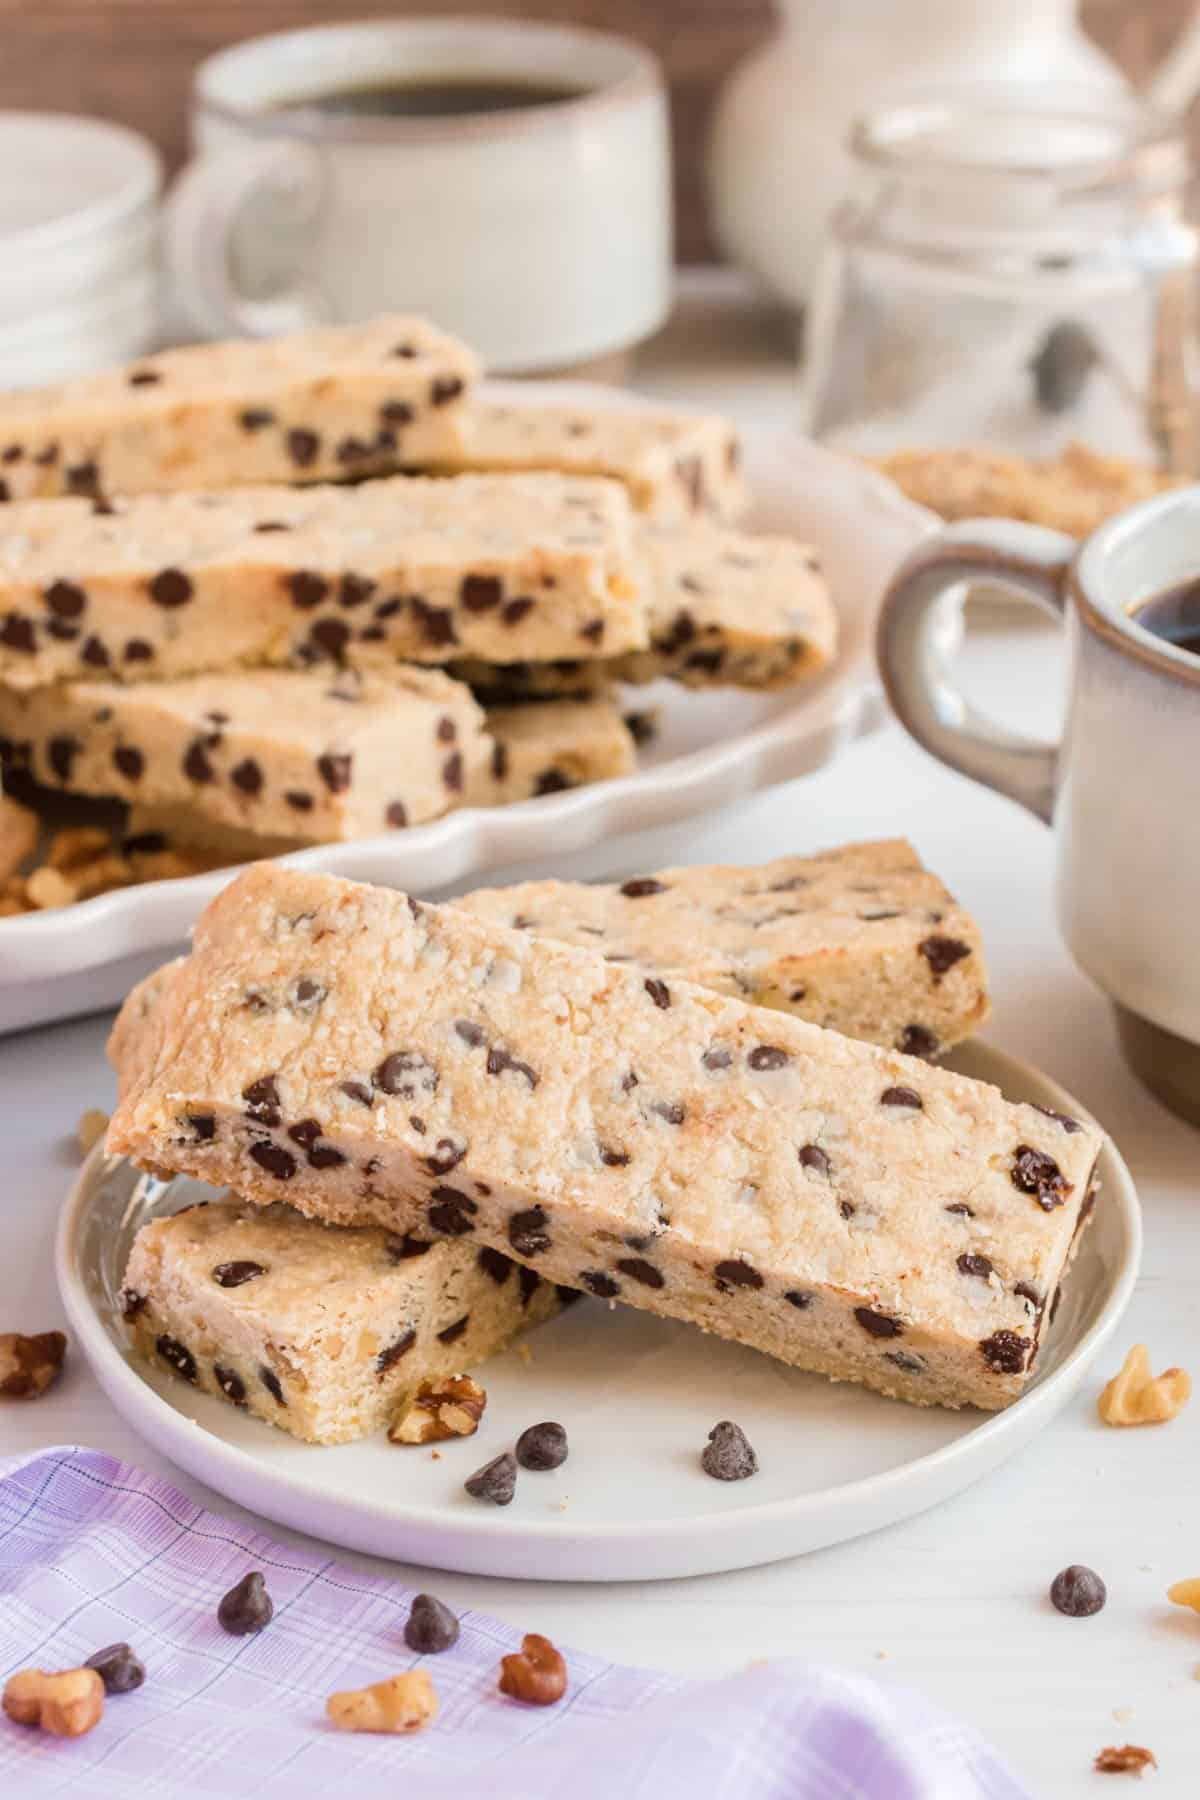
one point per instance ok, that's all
(496, 1481)
(1078, 1591)
(118, 1667)
(542, 1446)
(728, 1455)
(247, 1607)
(430, 1627)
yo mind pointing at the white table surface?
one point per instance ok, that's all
(953, 1602)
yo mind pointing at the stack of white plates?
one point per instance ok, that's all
(79, 285)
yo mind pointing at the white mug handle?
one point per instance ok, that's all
(284, 179)
(1030, 561)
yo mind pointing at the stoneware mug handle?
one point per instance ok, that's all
(1027, 560)
(271, 193)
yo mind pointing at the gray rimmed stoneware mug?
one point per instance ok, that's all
(1122, 789)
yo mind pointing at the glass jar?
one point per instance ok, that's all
(1011, 272)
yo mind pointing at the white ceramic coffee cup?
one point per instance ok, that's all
(541, 234)
(1123, 788)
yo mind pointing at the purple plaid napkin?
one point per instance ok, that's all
(93, 1551)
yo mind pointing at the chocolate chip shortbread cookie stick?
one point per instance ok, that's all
(314, 754)
(324, 1332)
(722, 610)
(862, 939)
(415, 568)
(674, 464)
(545, 747)
(843, 1208)
(340, 400)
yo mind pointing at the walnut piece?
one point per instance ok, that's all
(1124, 1759)
(29, 1365)
(66, 1702)
(1186, 1593)
(536, 1674)
(402, 1704)
(448, 1407)
(1136, 1397)
(92, 1126)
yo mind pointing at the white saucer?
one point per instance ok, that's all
(638, 1396)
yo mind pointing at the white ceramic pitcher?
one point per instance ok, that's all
(777, 164)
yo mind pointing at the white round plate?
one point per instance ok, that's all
(638, 1396)
(713, 748)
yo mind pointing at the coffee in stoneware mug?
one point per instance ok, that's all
(1122, 789)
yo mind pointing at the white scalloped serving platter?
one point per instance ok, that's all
(713, 749)
(637, 1395)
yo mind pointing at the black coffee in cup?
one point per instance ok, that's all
(433, 97)
(1173, 615)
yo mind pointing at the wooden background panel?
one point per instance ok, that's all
(132, 59)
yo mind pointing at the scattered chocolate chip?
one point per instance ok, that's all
(452, 773)
(230, 1384)
(811, 1156)
(436, 622)
(307, 994)
(736, 1274)
(970, 1264)
(527, 1232)
(138, 650)
(470, 1032)
(638, 1269)
(171, 587)
(234, 1274)
(847, 1208)
(446, 1155)
(552, 781)
(542, 1446)
(118, 1667)
(443, 389)
(901, 1096)
(391, 1354)
(480, 593)
(728, 1455)
(614, 1159)
(403, 1249)
(274, 1159)
(918, 1040)
(1078, 1591)
(246, 1607)
(307, 590)
(255, 418)
(960, 1206)
(767, 1056)
(177, 1355)
(670, 1110)
(406, 1073)
(272, 1383)
(528, 1283)
(643, 887)
(1005, 1352)
(1033, 1172)
(941, 953)
(495, 1481)
(430, 1627)
(495, 1264)
(658, 991)
(797, 1298)
(603, 1286)
(131, 1303)
(396, 815)
(203, 1125)
(879, 1324)
(1025, 1290)
(716, 1058)
(451, 1333)
(84, 479)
